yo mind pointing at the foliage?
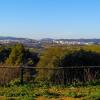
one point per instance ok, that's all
(64, 57)
(4, 53)
(17, 55)
(53, 58)
(50, 59)
(31, 92)
(30, 58)
(15, 82)
(81, 58)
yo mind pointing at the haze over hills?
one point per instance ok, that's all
(11, 38)
(34, 42)
(51, 39)
(16, 38)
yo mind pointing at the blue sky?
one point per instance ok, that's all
(50, 18)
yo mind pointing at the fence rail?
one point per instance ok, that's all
(61, 75)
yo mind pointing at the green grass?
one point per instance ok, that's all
(32, 91)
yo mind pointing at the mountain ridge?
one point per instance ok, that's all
(50, 39)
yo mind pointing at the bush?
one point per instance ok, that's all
(15, 82)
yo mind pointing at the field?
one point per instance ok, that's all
(44, 92)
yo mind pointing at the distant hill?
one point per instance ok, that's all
(15, 38)
(7, 38)
(47, 40)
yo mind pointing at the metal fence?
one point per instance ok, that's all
(50, 75)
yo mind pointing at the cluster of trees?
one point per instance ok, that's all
(17, 55)
(65, 58)
(51, 58)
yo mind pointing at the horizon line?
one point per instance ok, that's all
(46, 37)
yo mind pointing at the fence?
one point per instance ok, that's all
(50, 75)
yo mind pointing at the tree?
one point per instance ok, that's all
(81, 58)
(50, 59)
(31, 58)
(4, 54)
(16, 56)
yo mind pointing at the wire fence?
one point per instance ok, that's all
(61, 75)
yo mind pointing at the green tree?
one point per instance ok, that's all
(50, 59)
(4, 54)
(16, 56)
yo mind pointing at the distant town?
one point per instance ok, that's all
(39, 43)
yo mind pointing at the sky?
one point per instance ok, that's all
(50, 18)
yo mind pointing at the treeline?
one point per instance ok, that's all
(51, 59)
(66, 58)
(63, 57)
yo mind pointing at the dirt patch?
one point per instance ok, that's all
(70, 98)
(2, 98)
(41, 98)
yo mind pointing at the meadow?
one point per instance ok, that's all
(49, 92)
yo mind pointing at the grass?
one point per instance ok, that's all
(33, 92)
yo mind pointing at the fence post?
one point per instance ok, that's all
(21, 74)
